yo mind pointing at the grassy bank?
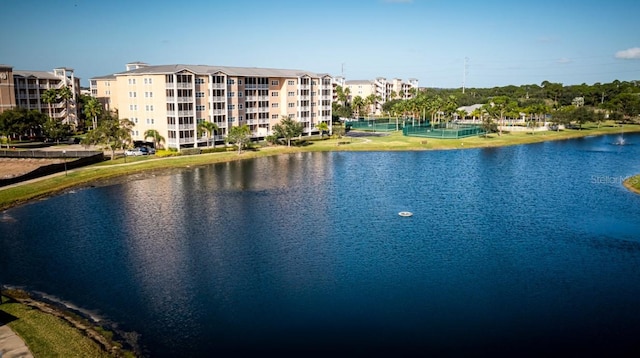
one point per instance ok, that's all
(16, 195)
(51, 333)
(633, 183)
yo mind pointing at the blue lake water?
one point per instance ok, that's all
(527, 249)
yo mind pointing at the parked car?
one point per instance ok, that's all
(133, 152)
(151, 150)
(144, 150)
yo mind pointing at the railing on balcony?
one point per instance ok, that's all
(186, 126)
(303, 98)
(184, 84)
(253, 86)
(218, 111)
(218, 86)
(171, 126)
(306, 86)
(185, 113)
(305, 109)
(251, 110)
(218, 98)
(251, 98)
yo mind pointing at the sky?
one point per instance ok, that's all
(442, 43)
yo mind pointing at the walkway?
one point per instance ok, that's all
(11, 345)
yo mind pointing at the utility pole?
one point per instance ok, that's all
(464, 72)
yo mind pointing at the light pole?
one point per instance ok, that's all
(64, 155)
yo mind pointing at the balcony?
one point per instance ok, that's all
(186, 126)
(305, 98)
(185, 113)
(218, 111)
(218, 98)
(251, 98)
(305, 86)
(218, 86)
(251, 110)
(184, 85)
(304, 108)
(171, 126)
(171, 113)
(254, 86)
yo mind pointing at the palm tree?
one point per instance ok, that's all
(371, 101)
(155, 135)
(210, 128)
(66, 94)
(49, 97)
(358, 103)
(322, 127)
(93, 109)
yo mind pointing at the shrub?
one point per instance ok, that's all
(191, 151)
(166, 153)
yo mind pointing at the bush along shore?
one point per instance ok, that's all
(50, 328)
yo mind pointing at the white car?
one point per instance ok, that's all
(133, 152)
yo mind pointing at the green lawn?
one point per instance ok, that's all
(47, 335)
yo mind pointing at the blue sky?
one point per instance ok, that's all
(440, 42)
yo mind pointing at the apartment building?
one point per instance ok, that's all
(385, 90)
(174, 99)
(25, 89)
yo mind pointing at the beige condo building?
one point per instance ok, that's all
(173, 99)
(382, 88)
(25, 89)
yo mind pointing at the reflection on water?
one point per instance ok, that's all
(509, 250)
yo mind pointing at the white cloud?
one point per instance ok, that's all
(629, 54)
(564, 60)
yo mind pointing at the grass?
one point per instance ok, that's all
(633, 183)
(16, 195)
(47, 335)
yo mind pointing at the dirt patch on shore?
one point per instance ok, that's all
(13, 167)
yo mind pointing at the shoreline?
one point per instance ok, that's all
(90, 176)
(632, 184)
(119, 344)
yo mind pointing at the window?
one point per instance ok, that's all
(274, 116)
(239, 82)
(231, 106)
(232, 94)
(199, 81)
(274, 94)
(148, 94)
(108, 84)
(231, 81)
(291, 105)
(239, 94)
(239, 118)
(107, 93)
(150, 121)
(148, 108)
(275, 83)
(199, 94)
(291, 83)
(232, 119)
(132, 95)
(240, 106)
(200, 108)
(135, 120)
(274, 105)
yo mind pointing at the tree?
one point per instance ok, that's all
(20, 122)
(489, 126)
(371, 101)
(287, 129)
(322, 127)
(357, 104)
(112, 133)
(93, 109)
(66, 94)
(49, 97)
(240, 136)
(210, 128)
(56, 130)
(155, 135)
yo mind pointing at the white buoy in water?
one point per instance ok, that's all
(405, 213)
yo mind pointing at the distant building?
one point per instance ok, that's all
(24, 89)
(174, 99)
(7, 88)
(385, 90)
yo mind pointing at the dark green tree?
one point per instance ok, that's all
(287, 129)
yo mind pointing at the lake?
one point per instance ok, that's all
(529, 249)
